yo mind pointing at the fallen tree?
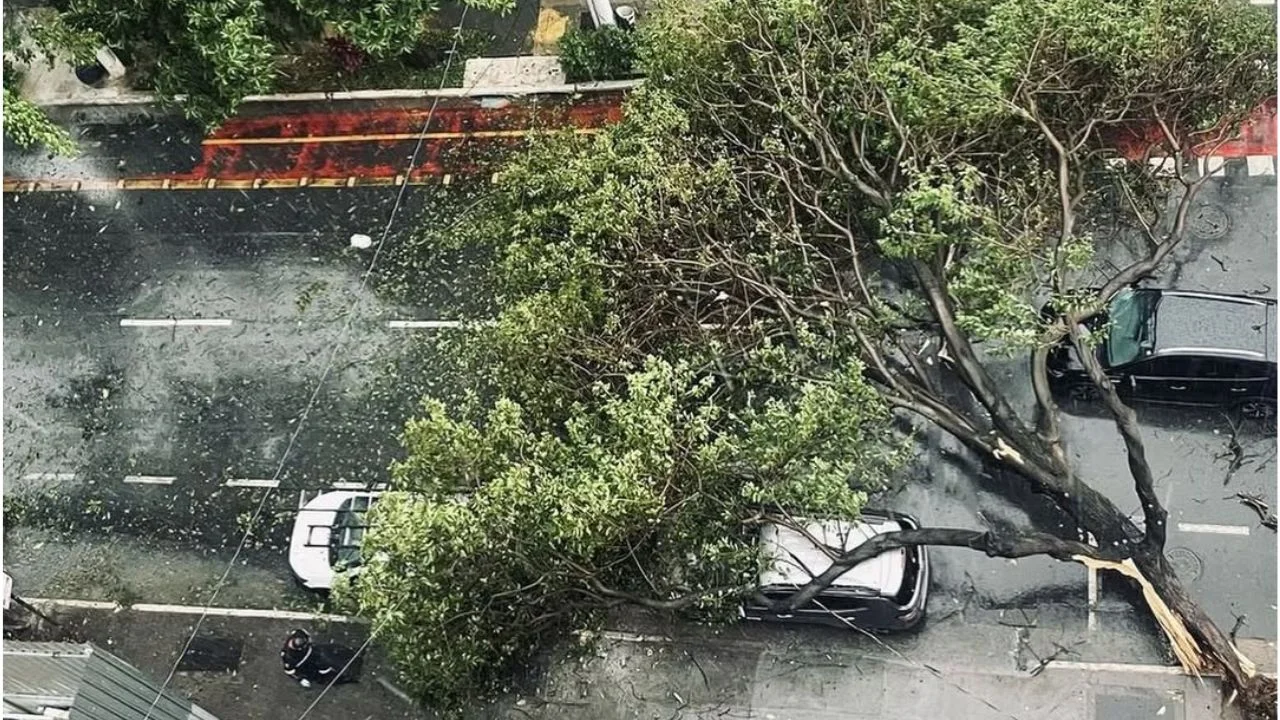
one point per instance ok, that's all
(813, 218)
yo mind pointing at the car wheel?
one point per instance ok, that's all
(1083, 392)
(1261, 411)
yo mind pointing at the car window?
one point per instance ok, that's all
(1231, 368)
(1173, 366)
(1128, 314)
(348, 531)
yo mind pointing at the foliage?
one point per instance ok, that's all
(640, 477)
(727, 301)
(948, 116)
(606, 53)
(213, 53)
(504, 531)
(28, 126)
(340, 66)
(39, 36)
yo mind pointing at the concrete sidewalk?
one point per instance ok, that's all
(963, 667)
(258, 689)
(1044, 664)
(520, 58)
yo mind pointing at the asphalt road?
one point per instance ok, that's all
(264, 297)
(263, 288)
(1227, 558)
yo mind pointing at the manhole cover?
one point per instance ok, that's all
(1208, 222)
(1186, 563)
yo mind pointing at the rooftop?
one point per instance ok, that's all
(86, 680)
(792, 559)
(1222, 322)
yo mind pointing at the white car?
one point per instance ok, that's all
(885, 593)
(326, 537)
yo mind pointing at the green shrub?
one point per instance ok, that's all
(608, 53)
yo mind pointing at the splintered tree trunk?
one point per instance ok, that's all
(1253, 693)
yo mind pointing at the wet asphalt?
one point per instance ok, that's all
(90, 402)
(1230, 566)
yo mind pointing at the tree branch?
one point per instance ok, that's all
(1154, 514)
(989, 542)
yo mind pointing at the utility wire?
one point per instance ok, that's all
(324, 375)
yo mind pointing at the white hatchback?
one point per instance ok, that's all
(326, 537)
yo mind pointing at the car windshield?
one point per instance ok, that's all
(348, 529)
(1129, 334)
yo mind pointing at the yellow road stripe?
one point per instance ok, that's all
(53, 185)
(389, 137)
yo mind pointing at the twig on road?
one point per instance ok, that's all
(1059, 651)
(1258, 505)
(1241, 621)
(1234, 450)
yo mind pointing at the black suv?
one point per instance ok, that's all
(1187, 348)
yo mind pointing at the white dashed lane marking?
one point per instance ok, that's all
(252, 483)
(150, 479)
(173, 322)
(1214, 529)
(423, 324)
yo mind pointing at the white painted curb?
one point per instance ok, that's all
(261, 613)
(404, 94)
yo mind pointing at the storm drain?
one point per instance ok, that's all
(1135, 704)
(1208, 222)
(212, 654)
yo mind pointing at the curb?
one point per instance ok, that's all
(261, 613)
(356, 95)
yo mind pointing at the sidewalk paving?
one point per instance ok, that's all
(951, 669)
(519, 56)
(259, 690)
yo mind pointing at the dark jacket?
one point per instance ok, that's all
(318, 663)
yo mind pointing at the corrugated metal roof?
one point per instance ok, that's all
(99, 685)
(44, 669)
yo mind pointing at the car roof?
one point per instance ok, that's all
(790, 558)
(1190, 322)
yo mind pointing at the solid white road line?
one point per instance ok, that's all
(150, 479)
(423, 324)
(622, 636)
(1093, 591)
(269, 614)
(244, 613)
(1261, 164)
(252, 483)
(1262, 2)
(88, 604)
(1214, 529)
(1132, 668)
(49, 476)
(174, 322)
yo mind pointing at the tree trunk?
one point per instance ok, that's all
(1253, 693)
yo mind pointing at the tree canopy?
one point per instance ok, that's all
(205, 56)
(38, 36)
(731, 306)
